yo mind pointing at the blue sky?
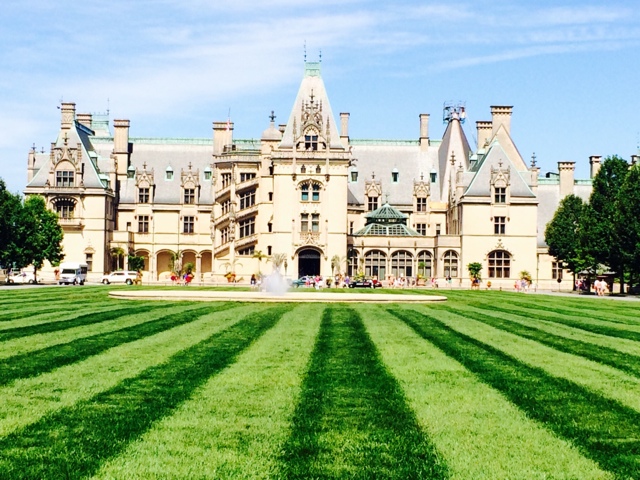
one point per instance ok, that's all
(172, 67)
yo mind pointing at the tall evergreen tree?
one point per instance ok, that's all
(600, 235)
(562, 234)
(628, 221)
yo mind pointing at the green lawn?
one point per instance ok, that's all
(493, 385)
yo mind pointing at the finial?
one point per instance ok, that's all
(189, 165)
(144, 166)
(373, 175)
(453, 159)
(421, 176)
(386, 197)
(312, 96)
(305, 51)
(500, 163)
(272, 117)
(320, 57)
(33, 147)
(533, 160)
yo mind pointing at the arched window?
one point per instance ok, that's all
(304, 196)
(375, 264)
(312, 187)
(499, 264)
(425, 264)
(401, 264)
(352, 262)
(450, 260)
(65, 208)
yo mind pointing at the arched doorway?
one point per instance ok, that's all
(308, 262)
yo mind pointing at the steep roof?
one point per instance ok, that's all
(387, 221)
(454, 142)
(312, 90)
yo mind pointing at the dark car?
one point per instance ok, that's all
(366, 283)
(307, 280)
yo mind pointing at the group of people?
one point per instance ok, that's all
(601, 287)
(522, 285)
(184, 279)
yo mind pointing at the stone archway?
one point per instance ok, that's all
(308, 262)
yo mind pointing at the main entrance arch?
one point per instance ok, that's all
(308, 262)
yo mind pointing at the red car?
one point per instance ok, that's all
(366, 283)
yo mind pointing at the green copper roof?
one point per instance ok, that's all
(387, 221)
(386, 214)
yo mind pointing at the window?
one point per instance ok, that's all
(499, 264)
(354, 176)
(315, 194)
(226, 206)
(500, 195)
(65, 209)
(168, 174)
(375, 264)
(224, 235)
(394, 177)
(350, 228)
(189, 224)
(433, 177)
(270, 227)
(271, 196)
(247, 199)
(315, 222)
(143, 224)
(88, 259)
(402, 264)
(318, 169)
(438, 229)
(269, 250)
(244, 177)
(247, 227)
(225, 179)
(311, 142)
(421, 228)
(189, 196)
(421, 204)
(247, 251)
(304, 195)
(143, 195)
(424, 264)
(450, 261)
(304, 222)
(64, 178)
(352, 262)
(207, 174)
(499, 224)
(303, 169)
(556, 270)
(372, 203)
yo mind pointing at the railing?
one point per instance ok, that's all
(247, 211)
(221, 248)
(241, 242)
(252, 182)
(310, 238)
(71, 223)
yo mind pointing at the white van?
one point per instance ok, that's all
(73, 273)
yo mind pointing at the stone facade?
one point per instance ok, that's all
(307, 191)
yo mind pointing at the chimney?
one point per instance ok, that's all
(567, 171)
(424, 131)
(68, 110)
(484, 129)
(501, 115)
(84, 119)
(121, 136)
(344, 129)
(222, 136)
(594, 162)
(31, 163)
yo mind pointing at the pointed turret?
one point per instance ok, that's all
(454, 145)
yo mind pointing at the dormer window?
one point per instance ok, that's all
(189, 196)
(143, 195)
(433, 176)
(421, 204)
(131, 171)
(207, 173)
(168, 173)
(64, 178)
(500, 195)
(395, 175)
(354, 176)
(372, 203)
(311, 142)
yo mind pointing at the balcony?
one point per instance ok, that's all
(222, 192)
(248, 240)
(253, 209)
(221, 248)
(309, 238)
(252, 182)
(71, 223)
(222, 219)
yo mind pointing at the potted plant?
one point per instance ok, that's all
(474, 273)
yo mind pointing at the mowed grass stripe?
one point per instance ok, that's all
(352, 420)
(47, 359)
(84, 319)
(19, 296)
(601, 379)
(236, 424)
(25, 401)
(597, 353)
(35, 309)
(605, 430)
(33, 343)
(623, 345)
(73, 442)
(478, 432)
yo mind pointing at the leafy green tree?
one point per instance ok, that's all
(135, 263)
(562, 234)
(599, 233)
(10, 208)
(474, 270)
(628, 221)
(40, 234)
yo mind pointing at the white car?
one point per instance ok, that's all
(21, 277)
(122, 276)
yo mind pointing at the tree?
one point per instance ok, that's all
(474, 270)
(117, 257)
(260, 256)
(10, 207)
(42, 234)
(562, 234)
(136, 263)
(336, 263)
(628, 221)
(175, 262)
(599, 233)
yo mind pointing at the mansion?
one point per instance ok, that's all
(307, 191)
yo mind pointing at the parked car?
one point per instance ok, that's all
(73, 273)
(306, 280)
(122, 276)
(366, 283)
(21, 277)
